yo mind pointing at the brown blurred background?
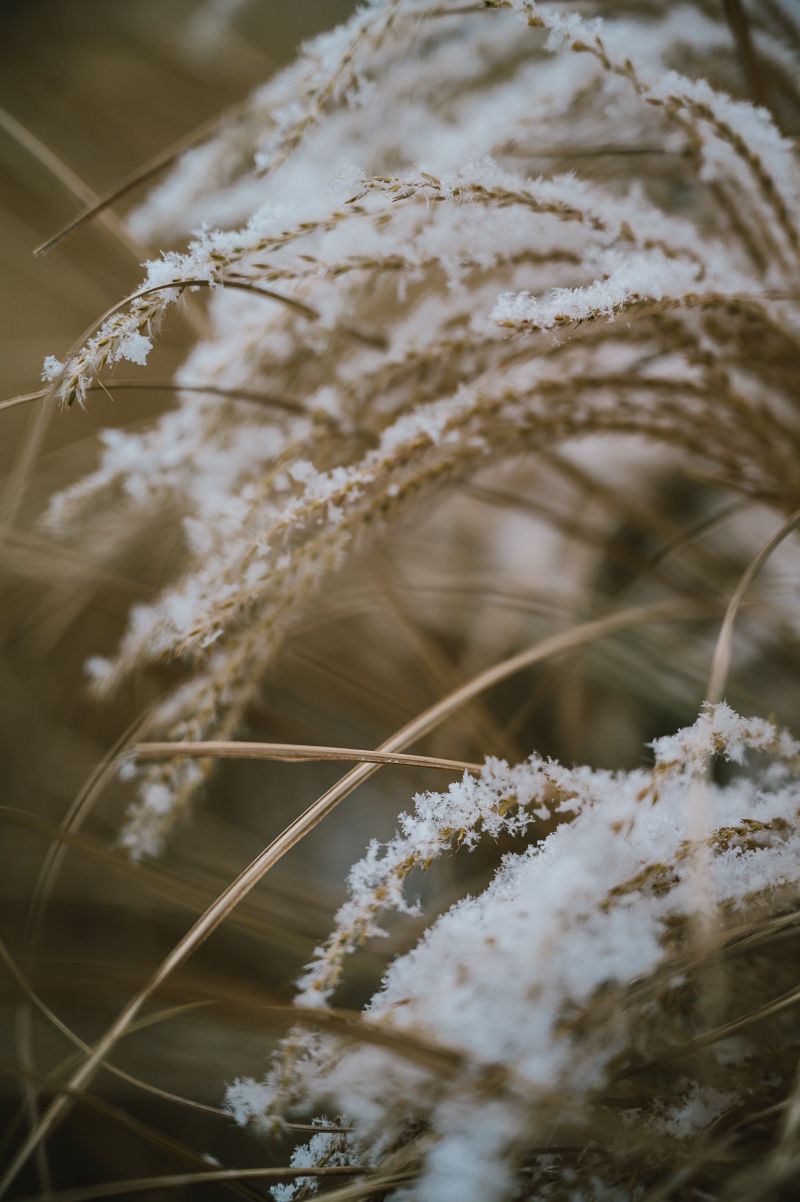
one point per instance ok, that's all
(106, 84)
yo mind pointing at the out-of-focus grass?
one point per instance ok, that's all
(106, 84)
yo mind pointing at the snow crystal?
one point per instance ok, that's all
(52, 369)
(135, 347)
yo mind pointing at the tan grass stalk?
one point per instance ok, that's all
(294, 753)
(99, 205)
(136, 1185)
(722, 652)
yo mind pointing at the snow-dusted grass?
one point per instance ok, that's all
(400, 296)
(577, 962)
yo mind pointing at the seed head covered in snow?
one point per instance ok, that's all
(571, 966)
(364, 285)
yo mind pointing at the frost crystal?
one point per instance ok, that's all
(52, 369)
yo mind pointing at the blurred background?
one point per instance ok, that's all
(105, 85)
(516, 554)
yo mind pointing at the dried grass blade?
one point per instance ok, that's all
(294, 753)
(69, 178)
(720, 665)
(149, 169)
